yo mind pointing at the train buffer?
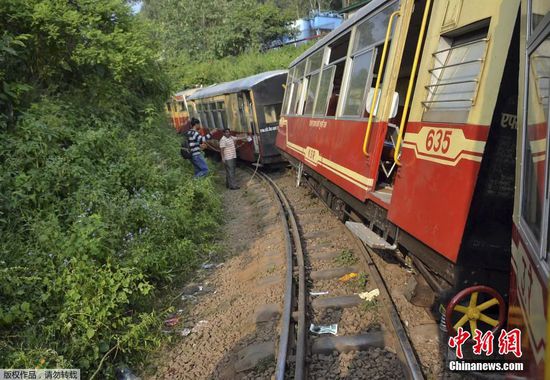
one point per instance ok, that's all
(368, 236)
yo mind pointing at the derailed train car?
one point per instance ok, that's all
(178, 110)
(405, 118)
(528, 301)
(249, 106)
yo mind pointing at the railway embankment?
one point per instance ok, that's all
(229, 315)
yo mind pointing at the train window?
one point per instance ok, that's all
(339, 49)
(243, 127)
(272, 113)
(324, 88)
(212, 115)
(313, 83)
(372, 31)
(535, 140)
(288, 90)
(539, 8)
(455, 77)
(337, 59)
(361, 70)
(336, 88)
(297, 96)
(315, 61)
(293, 95)
(299, 70)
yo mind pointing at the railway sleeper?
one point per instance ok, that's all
(347, 343)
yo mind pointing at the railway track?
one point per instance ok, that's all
(329, 274)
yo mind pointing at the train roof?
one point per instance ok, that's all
(342, 28)
(236, 85)
(185, 93)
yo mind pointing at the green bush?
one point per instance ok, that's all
(94, 217)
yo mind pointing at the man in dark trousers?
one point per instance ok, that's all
(229, 157)
(195, 140)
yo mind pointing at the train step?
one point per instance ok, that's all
(368, 236)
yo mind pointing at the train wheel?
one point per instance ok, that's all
(462, 310)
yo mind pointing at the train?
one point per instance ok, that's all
(178, 111)
(406, 118)
(424, 125)
(248, 106)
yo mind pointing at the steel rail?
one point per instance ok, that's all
(405, 350)
(291, 228)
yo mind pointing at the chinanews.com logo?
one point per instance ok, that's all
(509, 343)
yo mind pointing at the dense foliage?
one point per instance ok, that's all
(207, 72)
(215, 41)
(97, 209)
(210, 29)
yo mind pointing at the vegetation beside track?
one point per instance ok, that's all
(97, 210)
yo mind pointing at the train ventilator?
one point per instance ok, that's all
(249, 106)
(411, 122)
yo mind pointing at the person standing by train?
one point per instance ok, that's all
(229, 157)
(195, 140)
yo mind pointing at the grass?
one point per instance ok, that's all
(359, 283)
(345, 258)
(369, 305)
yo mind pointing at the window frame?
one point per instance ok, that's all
(349, 63)
(539, 248)
(374, 53)
(451, 41)
(332, 69)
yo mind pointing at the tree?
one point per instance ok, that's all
(57, 46)
(213, 29)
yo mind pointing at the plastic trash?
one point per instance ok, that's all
(318, 293)
(328, 329)
(208, 266)
(171, 322)
(124, 373)
(349, 276)
(369, 296)
(185, 332)
(199, 326)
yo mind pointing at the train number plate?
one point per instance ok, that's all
(312, 155)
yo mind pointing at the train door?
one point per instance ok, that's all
(528, 309)
(247, 151)
(253, 122)
(393, 73)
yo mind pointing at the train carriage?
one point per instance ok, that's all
(248, 106)
(398, 110)
(407, 117)
(528, 303)
(178, 110)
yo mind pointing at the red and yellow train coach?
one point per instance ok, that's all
(177, 109)
(406, 111)
(529, 283)
(406, 117)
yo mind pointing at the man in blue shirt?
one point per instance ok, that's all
(195, 140)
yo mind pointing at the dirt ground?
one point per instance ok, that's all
(222, 308)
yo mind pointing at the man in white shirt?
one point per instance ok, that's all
(229, 157)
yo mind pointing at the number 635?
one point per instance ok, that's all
(438, 140)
